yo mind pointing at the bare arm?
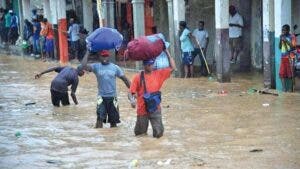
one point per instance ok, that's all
(73, 90)
(205, 49)
(84, 62)
(46, 71)
(207, 41)
(171, 61)
(74, 98)
(284, 42)
(192, 38)
(126, 81)
(132, 98)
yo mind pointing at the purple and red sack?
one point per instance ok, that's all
(143, 49)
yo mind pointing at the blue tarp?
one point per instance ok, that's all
(104, 39)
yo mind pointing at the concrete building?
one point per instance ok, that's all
(262, 27)
(262, 20)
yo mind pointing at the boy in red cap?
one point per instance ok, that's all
(152, 82)
(106, 73)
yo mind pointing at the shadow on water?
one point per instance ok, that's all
(207, 124)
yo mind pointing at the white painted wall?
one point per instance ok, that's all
(26, 9)
(3, 4)
(53, 11)
(61, 9)
(178, 12)
(296, 16)
(138, 17)
(87, 14)
(282, 14)
(222, 14)
(47, 12)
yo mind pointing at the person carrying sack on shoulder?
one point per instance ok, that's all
(145, 87)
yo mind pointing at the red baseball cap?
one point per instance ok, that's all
(104, 53)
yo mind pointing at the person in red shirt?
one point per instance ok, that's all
(154, 80)
(49, 43)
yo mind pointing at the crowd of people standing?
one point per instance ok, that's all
(38, 35)
(9, 26)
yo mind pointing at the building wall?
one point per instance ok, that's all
(197, 10)
(205, 10)
(296, 17)
(256, 35)
(161, 17)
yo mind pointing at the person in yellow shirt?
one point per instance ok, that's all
(286, 45)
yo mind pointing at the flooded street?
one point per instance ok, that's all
(236, 129)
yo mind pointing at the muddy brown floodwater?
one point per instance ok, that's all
(203, 129)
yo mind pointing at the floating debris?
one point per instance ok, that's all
(133, 163)
(256, 150)
(30, 103)
(18, 134)
(266, 104)
(167, 162)
(54, 162)
(253, 90)
(223, 93)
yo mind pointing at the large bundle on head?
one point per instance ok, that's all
(162, 60)
(104, 39)
(143, 49)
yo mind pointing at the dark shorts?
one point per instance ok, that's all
(108, 109)
(141, 125)
(75, 49)
(198, 52)
(187, 58)
(235, 43)
(203, 69)
(75, 45)
(6, 31)
(58, 97)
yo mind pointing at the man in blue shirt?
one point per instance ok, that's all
(36, 36)
(106, 73)
(186, 48)
(13, 29)
(59, 86)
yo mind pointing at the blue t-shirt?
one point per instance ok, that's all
(66, 76)
(106, 77)
(14, 21)
(36, 33)
(186, 44)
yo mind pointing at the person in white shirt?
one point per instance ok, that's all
(202, 40)
(74, 36)
(235, 32)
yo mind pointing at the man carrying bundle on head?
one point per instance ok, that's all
(106, 73)
(145, 87)
(103, 39)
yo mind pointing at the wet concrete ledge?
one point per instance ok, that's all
(11, 50)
